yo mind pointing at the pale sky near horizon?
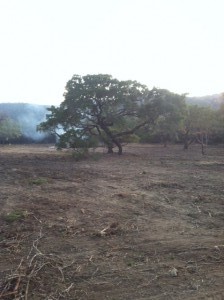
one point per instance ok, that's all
(173, 44)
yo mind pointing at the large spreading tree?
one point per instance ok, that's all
(103, 108)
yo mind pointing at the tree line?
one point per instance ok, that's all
(101, 109)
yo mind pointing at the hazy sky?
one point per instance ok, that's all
(172, 44)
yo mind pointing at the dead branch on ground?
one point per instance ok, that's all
(33, 270)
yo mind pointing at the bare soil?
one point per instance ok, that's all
(144, 225)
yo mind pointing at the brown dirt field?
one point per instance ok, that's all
(144, 225)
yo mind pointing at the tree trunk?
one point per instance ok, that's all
(203, 145)
(200, 139)
(120, 150)
(112, 139)
(186, 145)
(188, 141)
(118, 144)
(203, 149)
(186, 138)
(110, 149)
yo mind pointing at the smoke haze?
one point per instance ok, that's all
(28, 116)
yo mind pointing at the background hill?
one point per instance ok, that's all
(213, 101)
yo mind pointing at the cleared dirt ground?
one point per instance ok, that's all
(144, 225)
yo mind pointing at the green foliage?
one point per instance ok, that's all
(38, 181)
(98, 106)
(170, 109)
(169, 122)
(200, 118)
(198, 125)
(15, 215)
(132, 138)
(8, 129)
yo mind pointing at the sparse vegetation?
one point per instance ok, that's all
(80, 154)
(37, 181)
(148, 229)
(15, 215)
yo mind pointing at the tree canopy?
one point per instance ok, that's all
(102, 107)
(173, 110)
